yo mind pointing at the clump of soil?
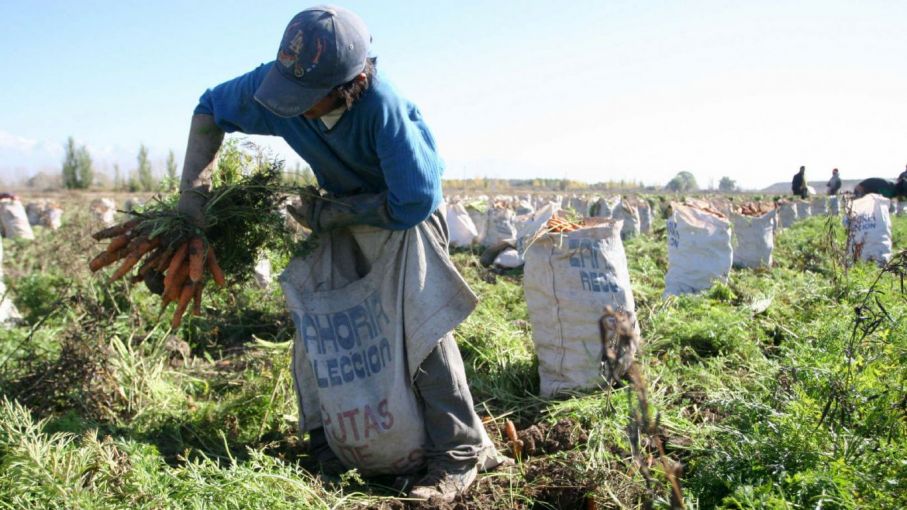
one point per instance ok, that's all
(542, 438)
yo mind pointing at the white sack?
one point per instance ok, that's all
(753, 239)
(34, 211)
(645, 217)
(14, 220)
(262, 272)
(817, 207)
(627, 213)
(104, 210)
(699, 250)
(52, 217)
(902, 207)
(604, 207)
(479, 215)
(869, 229)
(460, 226)
(803, 210)
(788, 214)
(833, 206)
(500, 226)
(568, 279)
(509, 259)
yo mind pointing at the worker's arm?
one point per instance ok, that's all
(225, 108)
(205, 138)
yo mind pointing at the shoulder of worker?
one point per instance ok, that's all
(385, 103)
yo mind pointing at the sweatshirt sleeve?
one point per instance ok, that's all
(233, 106)
(410, 163)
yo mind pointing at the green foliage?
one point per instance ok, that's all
(144, 173)
(77, 166)
(683, 182)
(727, 185)
(172, 181)
(761, 389)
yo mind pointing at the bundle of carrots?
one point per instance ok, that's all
(175, 259)
(560, 225)
(176, 269)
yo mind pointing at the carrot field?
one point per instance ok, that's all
(784, 388)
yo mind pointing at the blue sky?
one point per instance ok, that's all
(601, 90)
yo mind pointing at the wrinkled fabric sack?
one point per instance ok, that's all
(699, 250)
(509, 259)
(104, 211)
(788, 214)
(604, 207)
(568, 279)
(9, 314)
(834, 207)
(262, 272)
(500, 226)
(754, 239)
(34, 211)
(52, 217)
(869, 229)
(462, 230)
(627, 213)
(369, 306)
(803, 210)
(479, 216)
(645, 217)
(15, 220)
(818, 206)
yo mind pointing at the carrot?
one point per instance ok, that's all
(164, 261)
(118, 242)
(510, 431)
(186, 294)
(129, 263)
(196, 259)
(178, 257)
(216, 272)
(115, 230)
(151, 261)
(104, 259)
(145, 246)
(176, 282)
(197, 299)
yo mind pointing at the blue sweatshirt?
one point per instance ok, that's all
(380, 144)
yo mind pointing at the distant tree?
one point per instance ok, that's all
(682, 182)
(172, 181)
(144, 174)
(77, 170)
(727, 185)
(117, 178)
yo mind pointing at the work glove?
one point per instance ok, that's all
(321, 213)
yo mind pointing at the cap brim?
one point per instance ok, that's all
(285, 97)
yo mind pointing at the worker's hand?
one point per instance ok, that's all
(192, 206)
(306, 212)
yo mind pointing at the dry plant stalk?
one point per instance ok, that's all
(641, 421)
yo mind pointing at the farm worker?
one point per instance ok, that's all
(798, 185)
(879, 186)
(379, 170)
(834, 184)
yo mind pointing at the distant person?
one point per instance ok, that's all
(882, 187)
(834, 184)
(798, 185)
(903, 176)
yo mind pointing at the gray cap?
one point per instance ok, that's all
(322, 47)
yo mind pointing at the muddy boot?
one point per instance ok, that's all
(444, 483)
(328, 463)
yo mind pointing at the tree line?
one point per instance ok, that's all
(78, 171)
